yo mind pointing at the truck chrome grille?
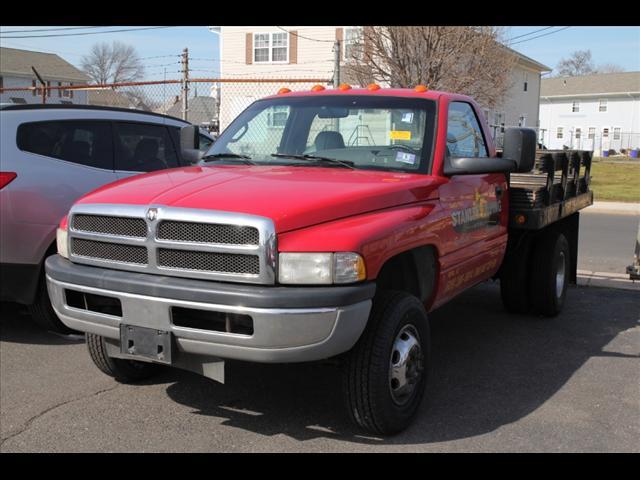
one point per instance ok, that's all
(120, 226)
(112, 252)
(207, 233)
(174, 241)
(209, 261)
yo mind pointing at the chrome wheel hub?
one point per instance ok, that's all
(406, 365)
(560, 270)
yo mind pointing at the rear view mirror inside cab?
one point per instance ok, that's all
(333, 112)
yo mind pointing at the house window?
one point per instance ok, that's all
(575, 106)
(616, 133)
(271, 47)
(278, 116)
(578, 133)
(602, 107)
(605, 133)
(352, 42)
(559, 133)
(592, 133)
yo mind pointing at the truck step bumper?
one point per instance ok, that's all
(264, 334)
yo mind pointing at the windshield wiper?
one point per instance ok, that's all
(233, 156)
(314, 158)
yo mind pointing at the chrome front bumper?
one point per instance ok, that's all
(279, 334)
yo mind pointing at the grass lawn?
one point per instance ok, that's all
(619, 182)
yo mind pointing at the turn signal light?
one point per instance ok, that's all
(373, 87)
(520, 219)
(6, 178)
(283, 90)
(344, 86)
(421, 88)
(317, 88)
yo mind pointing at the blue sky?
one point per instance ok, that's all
(618, 45)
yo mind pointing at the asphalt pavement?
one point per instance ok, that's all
(498, 383)
(606, 241)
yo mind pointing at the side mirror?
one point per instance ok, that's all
(477, 165)
(189, 143)
(520, 146)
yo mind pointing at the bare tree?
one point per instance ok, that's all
(469, 60)
(610, 68)
(112, 63)
(578, 63)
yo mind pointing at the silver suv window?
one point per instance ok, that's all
(83, 142)
(144, 148)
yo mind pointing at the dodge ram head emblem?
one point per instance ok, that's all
(152, 213)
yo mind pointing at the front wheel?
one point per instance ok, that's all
(124, 371)
(385, 374)
(42, 312)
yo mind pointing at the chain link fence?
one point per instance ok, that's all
(211, 103)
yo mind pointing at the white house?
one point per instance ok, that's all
(15, 71)
(591, 112)
(308, 53)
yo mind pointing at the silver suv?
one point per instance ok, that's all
(50, 155)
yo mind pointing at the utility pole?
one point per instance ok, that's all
(185, 82)
(336, 64)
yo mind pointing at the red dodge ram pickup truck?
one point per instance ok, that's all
(320, 224)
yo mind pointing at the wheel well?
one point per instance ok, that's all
(413, 271)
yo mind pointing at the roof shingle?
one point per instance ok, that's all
(48, 65)
(591, 84)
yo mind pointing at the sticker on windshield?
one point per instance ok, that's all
(405, 157)
(407, 117)
(400, 134)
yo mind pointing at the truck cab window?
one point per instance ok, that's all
(464, 135)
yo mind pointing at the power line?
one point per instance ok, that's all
(47, 29)
(84, 33)
(530, 33)
(159, 56)
(543, 35)
(306, 38)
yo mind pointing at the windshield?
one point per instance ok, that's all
(361, 132)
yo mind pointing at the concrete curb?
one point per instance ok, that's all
(607, 280)
(614, 207)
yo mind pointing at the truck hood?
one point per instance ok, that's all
(293, 197)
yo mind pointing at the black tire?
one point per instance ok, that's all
(367, 383)
(124, 371)
(514, 280)
(550, 250)
(42, 312)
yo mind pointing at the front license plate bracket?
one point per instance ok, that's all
(149, 343)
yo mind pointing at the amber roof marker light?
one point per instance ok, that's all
(373, 87)
(344, 86)
(317, 88)
(283, 90)
(421, 88)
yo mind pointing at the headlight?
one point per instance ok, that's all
(61, 242)
(320, 268)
